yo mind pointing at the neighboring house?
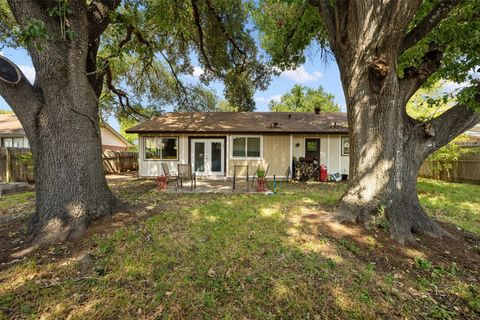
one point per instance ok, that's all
(474, 132)
(214, 142)
(473, 137)
(12, 135)
(112, 140)
(11, 132)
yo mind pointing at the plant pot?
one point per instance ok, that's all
(261, 184)
(261, 173)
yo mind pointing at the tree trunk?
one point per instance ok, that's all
(71, 188)
(387, 149)
(59, 114)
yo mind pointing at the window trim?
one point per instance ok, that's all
(160, 137)
(319, 146)
(246, 144)
(342, 153)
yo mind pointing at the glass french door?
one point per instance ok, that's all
(208, 156)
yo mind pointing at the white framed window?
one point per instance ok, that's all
(7, 142)
(17, 142)
(246, 147)
(160, 148)
(345, 146)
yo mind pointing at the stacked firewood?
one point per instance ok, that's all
(306, 171)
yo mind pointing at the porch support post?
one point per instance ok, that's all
(227, 155)
(291, 152)
(328, 152)
(340, 156)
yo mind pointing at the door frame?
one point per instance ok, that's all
(224, 138)
(319, 147)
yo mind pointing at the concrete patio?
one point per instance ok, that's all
(203, 185)
(213, 186)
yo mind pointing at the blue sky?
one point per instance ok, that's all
(313, 73)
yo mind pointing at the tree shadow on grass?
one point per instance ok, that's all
(233, 256)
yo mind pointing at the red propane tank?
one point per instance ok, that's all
(323, 173)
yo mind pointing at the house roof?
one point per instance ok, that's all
(474, 132)
(10, 126)
(244, 122)
(115, 133)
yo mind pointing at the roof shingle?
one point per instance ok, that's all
(245, 122)
(10, 126)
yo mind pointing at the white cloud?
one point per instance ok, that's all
(197, 71)
(301, 75)
(28, 71)
(450, 86)
(275, 97)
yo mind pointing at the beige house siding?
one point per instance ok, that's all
(345, 165)
(330, 151)
(276, 153)
(277, 150)
(109, 139)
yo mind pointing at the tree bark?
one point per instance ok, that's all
(71, 189)
(59, 114)
(387, 150)
(387, 147)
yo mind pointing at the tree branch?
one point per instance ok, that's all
(451, 123)
(415, 77)
(291, 33)
(224, 30)
(99, 16)
(122, 95)
(174, 73)
(196, 17)
(23, 98)
(328, 16)
(428, 23)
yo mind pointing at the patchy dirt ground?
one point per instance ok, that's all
(14, 219)
(171, 256)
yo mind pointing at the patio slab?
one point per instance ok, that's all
(13, 187)
(213, 186)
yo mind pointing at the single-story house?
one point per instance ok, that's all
(472, 137)
(214, 142)
(13, 135)
(474, 132)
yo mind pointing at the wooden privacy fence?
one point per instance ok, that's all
(16, 164)
(465, 169)
(119, 161)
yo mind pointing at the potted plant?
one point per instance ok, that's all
(261, 172)
(261, 181)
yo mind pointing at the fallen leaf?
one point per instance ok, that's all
(211, 273)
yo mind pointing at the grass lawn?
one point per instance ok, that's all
(233, 256)
(15, 199)
(457, 203)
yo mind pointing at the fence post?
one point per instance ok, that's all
(7, 165)
(118, 168)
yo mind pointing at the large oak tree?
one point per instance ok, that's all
(81, 48)
(386, 50)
